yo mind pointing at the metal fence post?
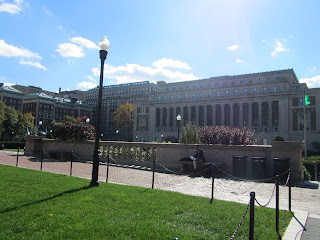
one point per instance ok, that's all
(153, 170)
(277, 203)
(17, 156)
(71, 163)
(251, 231)
(289, 184)
(315, 171)
(108, 161)
(41, 159)
(212, 184)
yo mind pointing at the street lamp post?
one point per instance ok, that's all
(104, 46)
(39, 129)
(178, 123)
(117, 132)
(161, 137)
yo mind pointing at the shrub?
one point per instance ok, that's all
(190, 134)
(78, 131)
(13, 145)
(278, 139)
(227, 135)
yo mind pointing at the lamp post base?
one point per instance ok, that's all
(94, 183)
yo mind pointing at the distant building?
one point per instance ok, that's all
(46, 108)
(114, 96)
(269, 102)
(11, 97)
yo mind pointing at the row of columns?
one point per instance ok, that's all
(242, 120)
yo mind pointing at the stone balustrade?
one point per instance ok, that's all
(167, 155)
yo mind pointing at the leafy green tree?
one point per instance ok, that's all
(9, 124)
(78, 131)
(29, 122)
(123, 118)
(190, 134)
(2, 115)
(53, 126)
(69, 119)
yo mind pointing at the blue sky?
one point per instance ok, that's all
(52, 44)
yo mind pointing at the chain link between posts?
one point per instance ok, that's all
(239, 225)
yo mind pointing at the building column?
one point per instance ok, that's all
(175, 117)
(189, 113)
(250, 115)
(214, 115)
(205, 115)
(222, 115)
(197, 115)
(168, 119)
(161, 119)
(231, 115)
(260, 116)
(269, 116)
(240, 114)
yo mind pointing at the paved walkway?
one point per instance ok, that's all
(305, 197)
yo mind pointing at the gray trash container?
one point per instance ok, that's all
(240, 166)
(259, 167)
(281, 165)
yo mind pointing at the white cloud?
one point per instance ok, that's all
(233, 47)
(314, 67)
(165, 62)
(70, 50)
(238, 60)
(60, 28)
(11, 8)
(34, 64)
(136, 73)
(7, 50)
(278, 47)
(47, 11)
(83, 42)
(313, 82)
(86, 85)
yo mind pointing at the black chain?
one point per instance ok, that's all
(236, 231)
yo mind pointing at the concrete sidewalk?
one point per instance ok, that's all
(304, 199)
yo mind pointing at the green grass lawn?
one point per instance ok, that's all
(40, 205)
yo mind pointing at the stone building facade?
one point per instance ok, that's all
(47, 108)
(271, 103)
(11, 97)
(112, 97)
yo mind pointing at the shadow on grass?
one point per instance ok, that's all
(44, 200)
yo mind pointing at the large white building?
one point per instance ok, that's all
(268, 102)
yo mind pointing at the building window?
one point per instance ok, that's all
(158, 98)
(265, 90)
(233, 83)
(268, 79)
(209, 94)
(179, 97)
(254, 91)
(236, 92)
(227, 93)
(300, 101)
(164, 98)
(297, 87)
(171, 98)
(224, 84)
(259, 80)
(201, 95)
(245, 91)
(186, 96)
(193, 95)
(275, 89)
(217, 84)
(278, 78)
(218, 94)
